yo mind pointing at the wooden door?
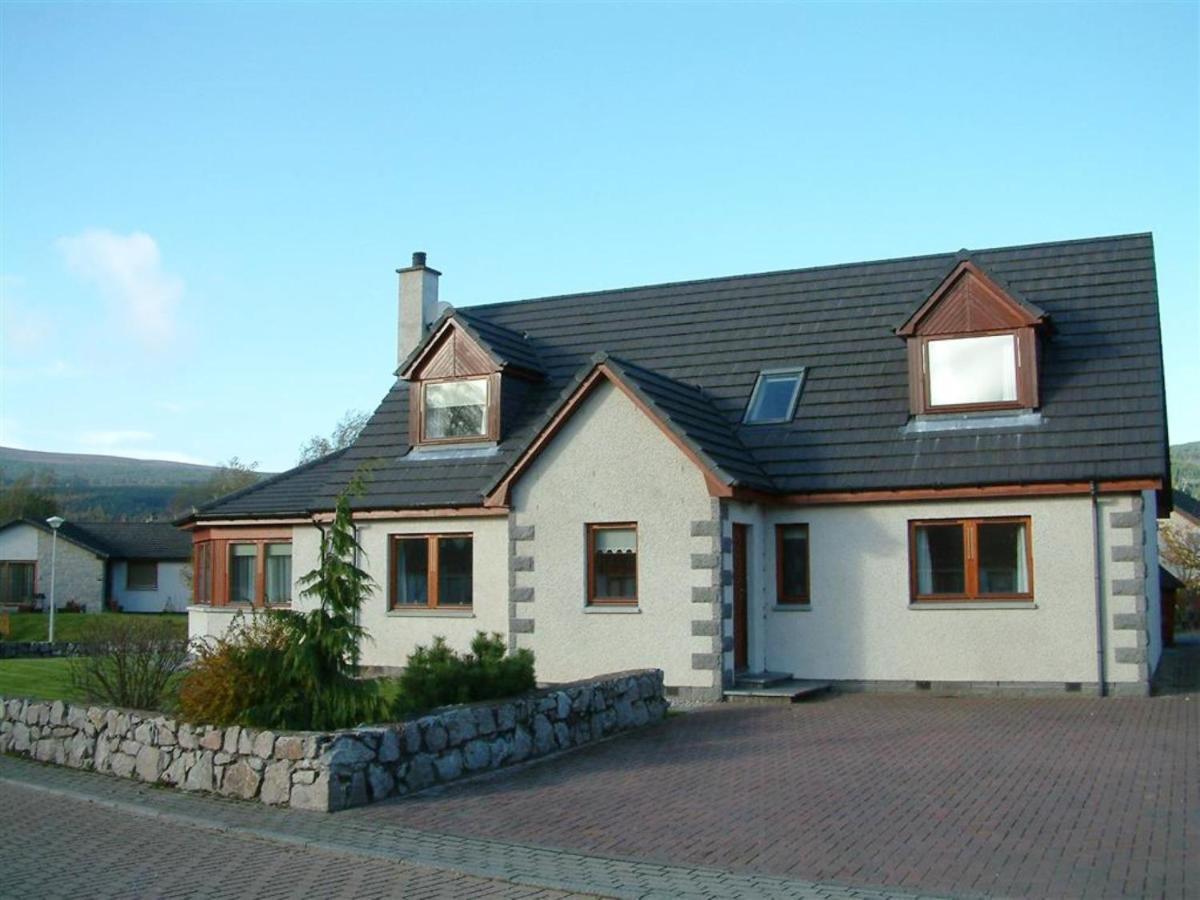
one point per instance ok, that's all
(741, 600)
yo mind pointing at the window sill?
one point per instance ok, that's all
(432, 612)
(613, 609)
(792, 607)
(977, 604)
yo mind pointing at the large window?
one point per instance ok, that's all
(16, 582)
(612, 564)
(242, 565)
(972, 371)
(455, 410)
(431, 571)
(278, 574)
(791, 564)
(141, 575)
(971, 559)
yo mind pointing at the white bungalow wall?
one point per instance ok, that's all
(860, 626)
(173, 594)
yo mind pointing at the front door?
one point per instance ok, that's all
(741, 613)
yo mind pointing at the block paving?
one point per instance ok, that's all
(856, 796)
(1066, 796)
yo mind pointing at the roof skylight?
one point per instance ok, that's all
(775, 396)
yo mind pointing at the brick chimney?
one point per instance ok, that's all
(418, 305)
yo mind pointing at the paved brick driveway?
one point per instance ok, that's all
(1070, 797)
(52, 846)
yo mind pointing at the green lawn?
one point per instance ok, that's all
(70, 626)
(46, 679)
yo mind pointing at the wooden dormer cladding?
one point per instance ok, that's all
(968, 303)
(453, 354)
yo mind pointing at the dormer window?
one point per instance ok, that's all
(972, 346)
(455, 410)
(456, 379)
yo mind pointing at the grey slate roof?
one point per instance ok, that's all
(122, 540)
(1102, 414)
(506, 346)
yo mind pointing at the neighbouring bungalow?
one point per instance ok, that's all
(940, 472)
(131, 566)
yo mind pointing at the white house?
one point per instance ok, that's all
(135, 566)
(939, 472)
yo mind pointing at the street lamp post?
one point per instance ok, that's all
(55, 522)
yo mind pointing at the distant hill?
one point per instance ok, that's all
(1185, 468)
(99, 487)
(67, 469)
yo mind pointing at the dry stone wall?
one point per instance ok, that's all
(18, 649)
(331, 770)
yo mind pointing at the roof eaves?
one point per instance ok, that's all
(207, 510)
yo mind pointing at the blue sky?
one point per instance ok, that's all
(202, 206)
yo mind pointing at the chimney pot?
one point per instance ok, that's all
(418, 259)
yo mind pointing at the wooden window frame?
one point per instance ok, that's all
(145, 562)
(431, 571)
(259, 573)
(219, 538)
(970, 537)
(1024, 348)
(592, 529)
(33, 593)
(781, 598)
(491, 412)
(261, 599)
(202, 573)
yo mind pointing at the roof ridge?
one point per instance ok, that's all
(829, 267)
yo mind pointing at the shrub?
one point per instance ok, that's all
(224, 685)
(437, 676)
(128, 661)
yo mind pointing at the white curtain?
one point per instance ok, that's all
(1022, 580)
(924, 563)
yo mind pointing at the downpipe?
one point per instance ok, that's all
(1099, 588)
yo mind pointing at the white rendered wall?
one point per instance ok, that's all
(395, 634)
(19, 543)
(860, 626)
(611, 463)
(173, 594)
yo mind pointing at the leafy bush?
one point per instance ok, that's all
(437, 676)
(128, 661)
(302, 667)
(222, 686)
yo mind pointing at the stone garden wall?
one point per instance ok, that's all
(334, 770)
(18, 649)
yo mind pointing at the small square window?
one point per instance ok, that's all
(141, 576)
(456, 410)
(612, 564)
(774, 397)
